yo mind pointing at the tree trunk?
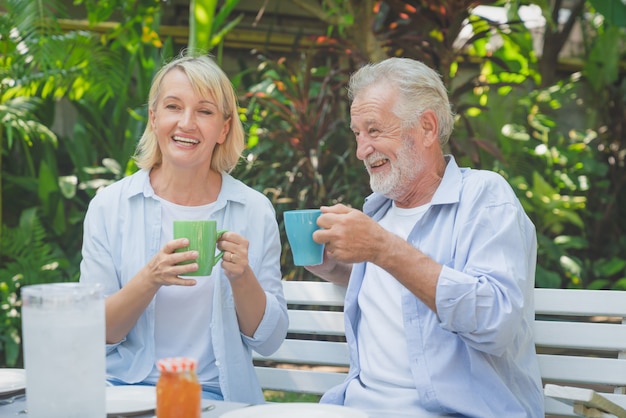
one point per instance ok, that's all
(554, 39)
(360, 32)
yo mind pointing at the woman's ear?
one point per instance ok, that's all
(225, 130)
(152, 117)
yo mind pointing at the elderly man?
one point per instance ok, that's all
(439, 265)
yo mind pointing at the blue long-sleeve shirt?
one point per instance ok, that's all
(476, 356)
(122, 232)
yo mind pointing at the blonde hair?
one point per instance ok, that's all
(420, 88)
(207, 78)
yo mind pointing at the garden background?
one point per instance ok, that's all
(547, 113)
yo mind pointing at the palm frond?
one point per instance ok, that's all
(18, 118)
(47, 62)
(26, 253)
(34, 19)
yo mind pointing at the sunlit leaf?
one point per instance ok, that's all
(67, 185)
(570, 265)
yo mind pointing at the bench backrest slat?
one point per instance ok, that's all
(316, 322)
(567, 335)
(577, 302)
(327, 353)
(299, 381)
(578, 370)
(316, 293)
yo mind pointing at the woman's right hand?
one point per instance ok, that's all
(127, 304)
(163, 268)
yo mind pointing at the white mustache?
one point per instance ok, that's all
(374, 158)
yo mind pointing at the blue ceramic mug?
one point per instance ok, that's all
(300, 225)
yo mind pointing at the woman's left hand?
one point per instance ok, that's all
(235, 258)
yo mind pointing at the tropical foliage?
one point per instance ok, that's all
(41, 213)
(300, 151)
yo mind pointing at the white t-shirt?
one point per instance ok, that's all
(383, 355)
(183, 314)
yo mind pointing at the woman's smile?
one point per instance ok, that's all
(184, 140)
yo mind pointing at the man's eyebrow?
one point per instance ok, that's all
(368, 122)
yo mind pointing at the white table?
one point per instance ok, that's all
(16, 409)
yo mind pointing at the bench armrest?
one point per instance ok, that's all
(586, 402)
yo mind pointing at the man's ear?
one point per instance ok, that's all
(430, 127)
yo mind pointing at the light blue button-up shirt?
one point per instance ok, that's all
(476, 356)
(122, 232)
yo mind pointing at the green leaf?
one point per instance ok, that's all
(598, 284)
(608, 268)
(620, 284)
(602, 66)
(613, 11)
(201, 13)
(48, 186)
(547, 278)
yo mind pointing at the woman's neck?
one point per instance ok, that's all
(187, 187)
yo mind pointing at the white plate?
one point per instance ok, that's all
(12, 380)
(130, 399)
(295, 409)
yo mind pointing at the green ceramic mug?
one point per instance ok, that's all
(202, 236)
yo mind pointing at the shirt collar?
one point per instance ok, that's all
(231, 188)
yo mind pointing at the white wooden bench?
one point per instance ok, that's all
(580, 338)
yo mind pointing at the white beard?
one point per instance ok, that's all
(403, 172)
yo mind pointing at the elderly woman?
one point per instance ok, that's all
(191, 142)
